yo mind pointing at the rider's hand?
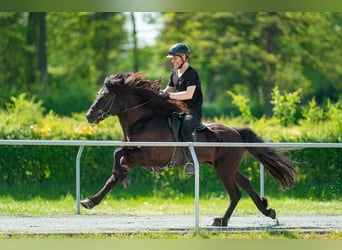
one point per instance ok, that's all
(164, 94)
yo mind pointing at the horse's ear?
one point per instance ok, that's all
(121, 77)
(116, 80)
(119, 81)
(158, 82)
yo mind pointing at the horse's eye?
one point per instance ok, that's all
(101, 91)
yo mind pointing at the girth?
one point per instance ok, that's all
(175, 123)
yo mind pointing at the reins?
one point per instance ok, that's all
(132, 108)
(106, 113)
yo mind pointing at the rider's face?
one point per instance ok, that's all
(177, 60)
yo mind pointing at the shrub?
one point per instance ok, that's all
(242, 103)
(285, 106)
(313, 113)
(319, 169)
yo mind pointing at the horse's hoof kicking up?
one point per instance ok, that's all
(87, 203)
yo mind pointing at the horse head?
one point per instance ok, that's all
(127, 92)
(106, 102)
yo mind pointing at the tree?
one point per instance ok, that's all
(135, 44)
(86, 46)
(12, 49)
(106, 38)
(36, 67)
(253, 52)
(77, 49)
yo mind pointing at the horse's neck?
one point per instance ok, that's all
(133, 117)
(127, 120)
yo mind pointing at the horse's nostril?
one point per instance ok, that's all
(90, 117)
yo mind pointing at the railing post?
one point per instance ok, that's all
(262, 180)
(78, 179)
(195, 160)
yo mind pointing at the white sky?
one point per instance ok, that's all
(146, 32)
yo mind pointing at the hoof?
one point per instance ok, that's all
(272, 214)
(277, 223)
(218, 222)
(126, 182)
(87, 203)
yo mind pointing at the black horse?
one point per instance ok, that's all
(144, 116)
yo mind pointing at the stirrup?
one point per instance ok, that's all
(189, 169)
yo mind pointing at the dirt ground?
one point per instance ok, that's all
(115, 224)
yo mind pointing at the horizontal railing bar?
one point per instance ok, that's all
(169, 144)
(191, 145)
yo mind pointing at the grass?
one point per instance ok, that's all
(152, 205)
(29, 203)
(164, 206)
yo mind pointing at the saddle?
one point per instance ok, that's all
(175, 123)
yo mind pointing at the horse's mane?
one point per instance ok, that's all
(144, 89)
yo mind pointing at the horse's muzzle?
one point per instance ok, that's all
(93, 116)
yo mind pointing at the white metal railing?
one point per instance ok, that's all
(191, 145)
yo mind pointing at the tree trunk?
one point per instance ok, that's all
(102, 42)
(135, 44)
(42, 56)
(31, 36)
(36, 68)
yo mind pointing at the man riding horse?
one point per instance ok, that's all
(144, 116)
(186, 82)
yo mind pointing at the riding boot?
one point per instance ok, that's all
(189, 167)
(188, 135)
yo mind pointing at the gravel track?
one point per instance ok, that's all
(79, 224)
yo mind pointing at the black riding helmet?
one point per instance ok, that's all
(179, 49)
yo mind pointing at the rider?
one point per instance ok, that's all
(185, 80)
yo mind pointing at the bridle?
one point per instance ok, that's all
(105, 113)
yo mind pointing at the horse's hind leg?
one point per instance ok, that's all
(118, 174)
(260, 202)
(234, 196)
(227, 177)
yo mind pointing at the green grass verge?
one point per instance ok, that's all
(165, 206)
(169, 206)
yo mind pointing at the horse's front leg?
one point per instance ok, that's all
(119, 174)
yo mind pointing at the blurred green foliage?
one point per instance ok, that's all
(53, 167)
(248, 53)
(253, 63)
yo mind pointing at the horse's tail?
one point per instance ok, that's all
(279, 166)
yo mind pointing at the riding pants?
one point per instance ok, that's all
(189, 124)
